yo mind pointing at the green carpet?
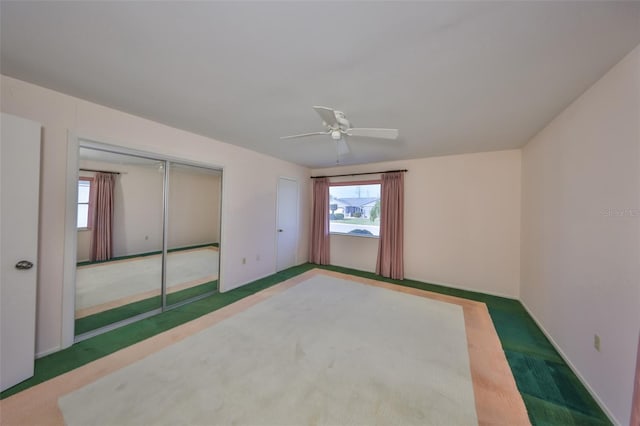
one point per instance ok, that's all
(552, 394)
(111, 316)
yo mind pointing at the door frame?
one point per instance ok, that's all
(74, 143)
(297, 216)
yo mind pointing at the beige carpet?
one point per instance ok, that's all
(102, 283)
(327, 351)
(497, 399)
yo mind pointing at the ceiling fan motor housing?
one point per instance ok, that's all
(341, 120)
(337, 126)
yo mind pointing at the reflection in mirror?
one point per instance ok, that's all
(120, 238)
(193, 232)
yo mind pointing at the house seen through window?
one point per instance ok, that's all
(354, 209)
(84, 192)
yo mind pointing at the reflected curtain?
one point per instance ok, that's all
(635, 407)
(319, 250)
(390, 262)
(102, 234)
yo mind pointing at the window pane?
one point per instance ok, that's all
(83, 191)
(83, 215)
(355, 209)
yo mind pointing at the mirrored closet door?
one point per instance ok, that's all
(193, 232)
(148, 234)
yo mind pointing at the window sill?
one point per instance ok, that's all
(355, 235)
(84, 229)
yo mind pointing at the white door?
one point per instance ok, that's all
(287, 231)
(19, 185)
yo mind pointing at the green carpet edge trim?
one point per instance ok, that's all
(519, 334)
(150, 253)
(120, 313)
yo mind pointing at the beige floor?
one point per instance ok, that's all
(496, 397)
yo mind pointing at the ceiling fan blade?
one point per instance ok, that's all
(374, 133)
(302, 135)
(327, 114)
(343, 147)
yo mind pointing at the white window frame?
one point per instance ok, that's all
(352, 183)
(89, 203)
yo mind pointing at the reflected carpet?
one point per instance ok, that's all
(103, 286)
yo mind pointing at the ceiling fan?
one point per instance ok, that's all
(338, 127)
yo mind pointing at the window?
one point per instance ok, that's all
(84, 203)
(354, 208)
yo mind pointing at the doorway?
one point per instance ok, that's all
(287, 223)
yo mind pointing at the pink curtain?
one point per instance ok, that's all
(102, 236)
(635, 407)
(390, 262)
(319, 250)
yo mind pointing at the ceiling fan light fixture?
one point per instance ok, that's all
(339, 128)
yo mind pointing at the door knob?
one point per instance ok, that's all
(279, 230)
(24, 264)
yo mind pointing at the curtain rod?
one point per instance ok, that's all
(99, 171)
(360, 174)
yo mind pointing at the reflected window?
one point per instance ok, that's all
(85, 184)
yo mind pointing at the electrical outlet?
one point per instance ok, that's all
(596, 342)
(244, 260)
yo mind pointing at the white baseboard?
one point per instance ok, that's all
(247, 282)
(573, 368)
(427, 281)
(48, 351)
(473, 290)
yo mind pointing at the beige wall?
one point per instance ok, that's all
(581, 260)
(249, 178)
(194, 208)
(462, 222)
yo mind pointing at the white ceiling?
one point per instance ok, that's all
(454, 77)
